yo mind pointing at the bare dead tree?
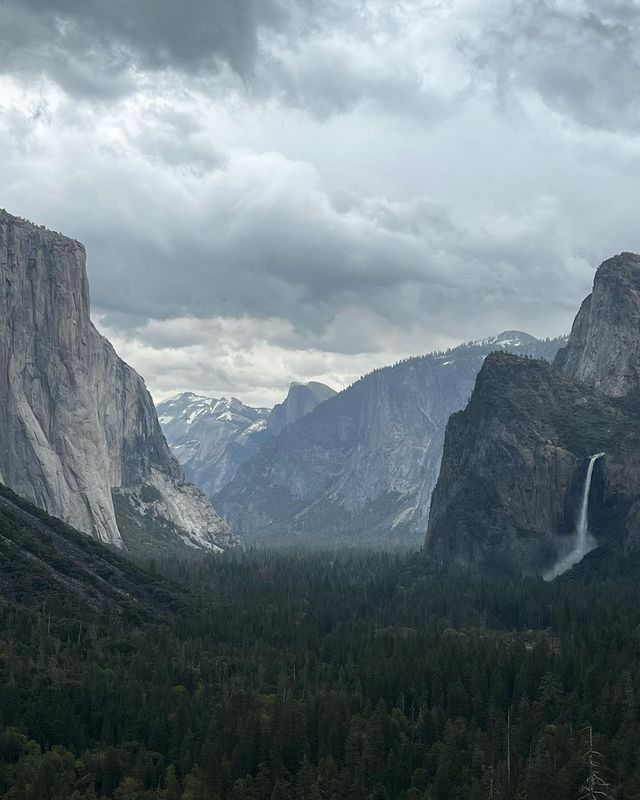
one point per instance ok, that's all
(509, 749)
(595, 787)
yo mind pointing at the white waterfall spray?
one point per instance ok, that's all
(584, 543)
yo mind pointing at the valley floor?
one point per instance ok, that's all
(298, 675)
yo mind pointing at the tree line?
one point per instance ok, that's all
(309, 675)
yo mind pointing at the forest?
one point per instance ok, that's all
(293, 675)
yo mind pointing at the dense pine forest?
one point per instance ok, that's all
(276, 675)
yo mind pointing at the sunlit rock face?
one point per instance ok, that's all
(76, 422)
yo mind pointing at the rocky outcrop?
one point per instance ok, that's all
(514, 465)
(77, 422)
(211, 438)
(301, 399)
(515, 460)
(363, 464)
(604, 347)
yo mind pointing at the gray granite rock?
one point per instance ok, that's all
(516, 458)
(604, 347)
(362, 465)
(301, 399)
(77, 422)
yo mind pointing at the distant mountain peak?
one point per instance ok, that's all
(301, 399)
(211, 436)
(507, 339)
(362, 465)
(312, 385)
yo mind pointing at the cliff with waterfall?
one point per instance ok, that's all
(544, 462)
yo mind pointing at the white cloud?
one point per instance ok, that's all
(235, 357)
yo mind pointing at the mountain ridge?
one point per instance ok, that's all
(364, 462)
(213, 437)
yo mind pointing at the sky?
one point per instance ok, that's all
(290, 190)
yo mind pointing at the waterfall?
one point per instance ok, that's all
(584, 542)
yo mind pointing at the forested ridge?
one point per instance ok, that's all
(321, 675)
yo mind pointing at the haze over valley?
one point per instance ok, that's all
(319, 400)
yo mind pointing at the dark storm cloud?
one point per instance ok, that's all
(318, 55)
(88, 46)
(284, 251)
(309, 188)
(582, 59)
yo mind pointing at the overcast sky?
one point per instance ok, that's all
(278, 190)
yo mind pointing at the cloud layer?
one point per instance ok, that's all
(288, 190)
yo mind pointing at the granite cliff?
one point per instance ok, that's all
(77, 424)
(515, 459)
(301, 399)
(604, 347)
(362, 465)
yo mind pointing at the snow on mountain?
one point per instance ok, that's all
(363, 464)
(508, 339)
(212, 437)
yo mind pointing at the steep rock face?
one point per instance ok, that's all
(75, 420)
(515, 460)
(301, 399)
(514, 465)
(363, 463)
(604, 347)
(211, 438)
